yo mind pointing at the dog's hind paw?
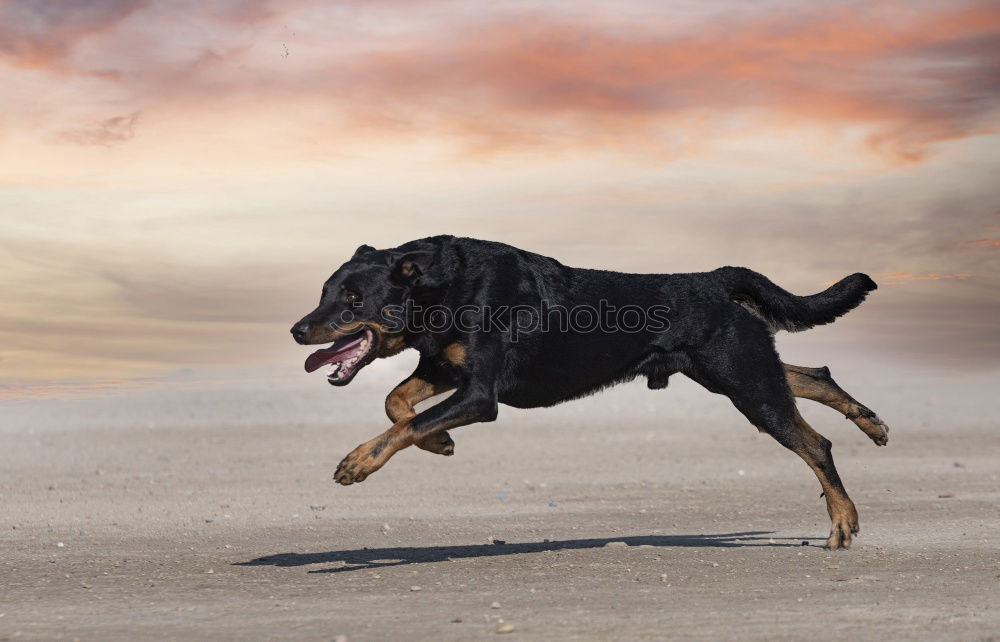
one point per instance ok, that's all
(881, 435)
(876, 429)
(439, 443)
(845, 524)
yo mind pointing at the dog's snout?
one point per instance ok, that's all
(299, 331)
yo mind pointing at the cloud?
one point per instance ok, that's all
(106, 133)
(987, 243)
(913, 77)
(42, 33)
(898, 78)
(928, 325)
(902, 277)
(87, 310)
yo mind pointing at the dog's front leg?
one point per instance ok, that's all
(423, 384)
(470, 404)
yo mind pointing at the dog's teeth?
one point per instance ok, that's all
(330, 368)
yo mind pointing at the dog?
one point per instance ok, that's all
(496, 324)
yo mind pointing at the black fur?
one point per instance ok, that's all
(782, 310)
(720, 327)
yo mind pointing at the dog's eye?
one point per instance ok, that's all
(351, 297)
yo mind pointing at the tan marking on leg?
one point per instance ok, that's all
(817, 384)
(399, 405)
(454, 354)
(374, 453)
(814, 449)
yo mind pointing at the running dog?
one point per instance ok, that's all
(476, 311)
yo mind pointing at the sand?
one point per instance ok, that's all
(206, 510)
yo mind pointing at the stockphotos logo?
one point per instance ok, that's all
(519, 319)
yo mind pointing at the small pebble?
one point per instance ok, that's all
(506, 627)
(495, 605)
(60, 545)
(415, 588)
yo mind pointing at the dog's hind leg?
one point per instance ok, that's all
(744, 366)
(817, 384)
(399, 406)
(814, 448)
(779, 418)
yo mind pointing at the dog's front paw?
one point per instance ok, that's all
(363, 461)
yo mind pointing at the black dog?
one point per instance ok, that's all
(501, 325)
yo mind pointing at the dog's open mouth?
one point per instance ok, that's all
(344, 357)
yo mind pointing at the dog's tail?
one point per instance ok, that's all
(782, 310)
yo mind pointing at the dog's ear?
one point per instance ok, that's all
(407, 269)
(362, 250)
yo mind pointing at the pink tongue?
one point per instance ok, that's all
(333, 354)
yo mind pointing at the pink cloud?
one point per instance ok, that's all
(906, 76)
(915, 78)
(43, 34)
(105, 133)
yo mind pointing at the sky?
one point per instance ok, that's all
(177, 179)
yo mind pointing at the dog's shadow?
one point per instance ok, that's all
(368, 558)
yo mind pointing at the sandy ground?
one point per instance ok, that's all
(208, 512)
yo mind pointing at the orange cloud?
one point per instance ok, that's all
(903, 277)
(106, 133)
(901, 76)
(981, 243)
(914, 78)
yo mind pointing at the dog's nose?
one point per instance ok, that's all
(299, 331)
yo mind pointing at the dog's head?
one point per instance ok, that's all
(361, 309)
